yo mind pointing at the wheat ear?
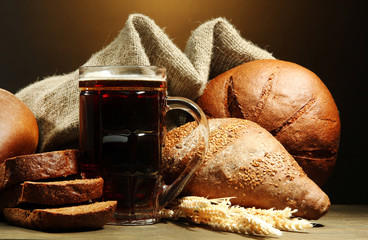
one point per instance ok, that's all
(220, 215)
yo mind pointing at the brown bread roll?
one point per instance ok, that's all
(246, 162)
(288, 100)
(18, 127)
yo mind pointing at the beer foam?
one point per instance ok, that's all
(107, 75)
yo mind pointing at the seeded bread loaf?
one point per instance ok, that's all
(18, 127)
(286, 99)
(94, 215)
(52, 193)
(38, 166)
(246, 162)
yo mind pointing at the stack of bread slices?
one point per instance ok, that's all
(44, 191)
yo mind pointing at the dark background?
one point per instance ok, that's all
(39, 38)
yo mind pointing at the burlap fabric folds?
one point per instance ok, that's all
(213, 48)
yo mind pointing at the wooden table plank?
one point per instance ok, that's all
(348, 222)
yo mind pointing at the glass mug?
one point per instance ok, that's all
(122, 110)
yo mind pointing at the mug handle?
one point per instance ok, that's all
(171, 191)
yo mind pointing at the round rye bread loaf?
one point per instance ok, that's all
(246, 162)
(286, 99)
(18, 127)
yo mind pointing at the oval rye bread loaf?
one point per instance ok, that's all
(246, 162)
(289, 101)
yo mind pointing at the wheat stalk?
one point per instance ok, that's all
(220, 215)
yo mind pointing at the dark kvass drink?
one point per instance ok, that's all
(121, 127)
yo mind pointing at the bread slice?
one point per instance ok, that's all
(38, 166)
(52, 193)
(94, 215)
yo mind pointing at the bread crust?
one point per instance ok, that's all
(52, 193)
(289, 101)
(18, 127)
(94, 215)
(246, 162)
(38, 166)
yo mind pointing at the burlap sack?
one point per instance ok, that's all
(213, 48)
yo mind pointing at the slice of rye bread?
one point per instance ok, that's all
(38, 166)
(52, 193)
(94, 215)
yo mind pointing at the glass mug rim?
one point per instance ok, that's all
(122, 72)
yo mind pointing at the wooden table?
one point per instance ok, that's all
(346, 222)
